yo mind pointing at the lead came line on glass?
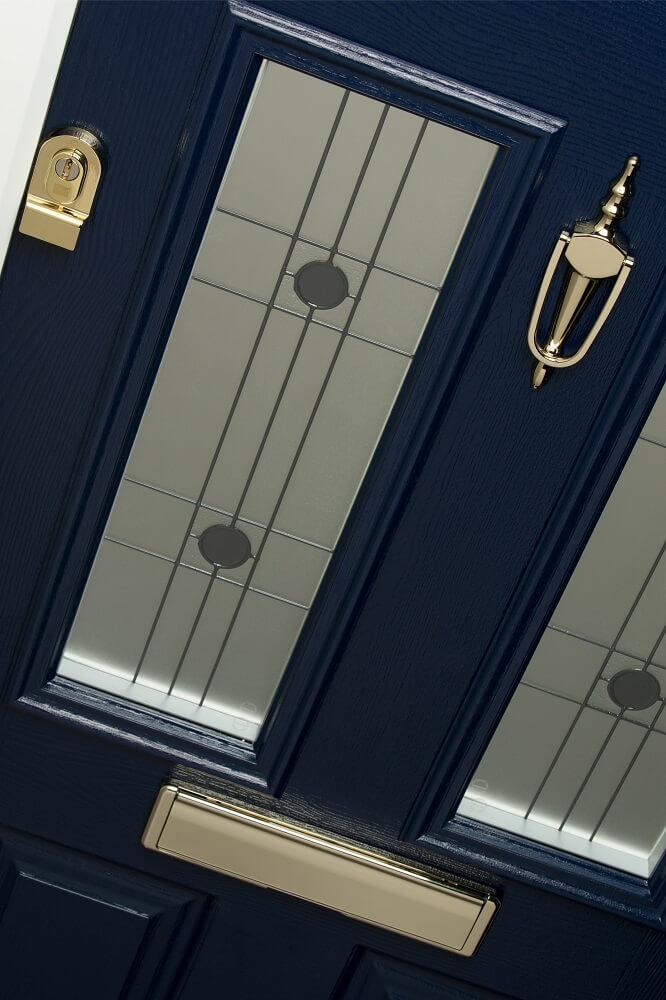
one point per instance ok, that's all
(584, 705)
(255, 348)
(276, 405)
(279, 400)
(332, 364)
(215, 510)
(651, 728)
(292, 312)
(319, 246)
(594, 782)
(294, 238)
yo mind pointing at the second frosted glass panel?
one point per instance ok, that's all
(336, 224)
(579, 758)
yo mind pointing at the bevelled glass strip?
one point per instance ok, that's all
(336, 224)
(579, 759)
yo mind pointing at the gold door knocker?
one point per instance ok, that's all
(593, 253)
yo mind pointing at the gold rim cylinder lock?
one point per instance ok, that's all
(62, 187)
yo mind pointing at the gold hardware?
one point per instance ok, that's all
(373, 888)
(593, 252)
(62, 187)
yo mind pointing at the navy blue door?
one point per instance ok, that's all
(478, 501)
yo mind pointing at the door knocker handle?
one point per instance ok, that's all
(593, 253)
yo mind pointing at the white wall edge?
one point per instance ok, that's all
(33, 36)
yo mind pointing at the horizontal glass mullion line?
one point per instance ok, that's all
(159, 489)
(593, 708)
(583, 638)
(322, 246)
(226, 513)
(646, 661)
(292, 312)
(659, 444)
(139, 548)
(198, 569)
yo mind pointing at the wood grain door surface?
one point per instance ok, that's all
(478, 502)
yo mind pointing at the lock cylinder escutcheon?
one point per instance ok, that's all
(62, 187)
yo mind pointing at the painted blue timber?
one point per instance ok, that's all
(396, 686)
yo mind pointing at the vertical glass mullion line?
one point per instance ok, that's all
(651, 728)
(331, 367)
(594, 684)
(273, 415)
(190, 635)
(308, 318)
(239, 391)
(590, 771)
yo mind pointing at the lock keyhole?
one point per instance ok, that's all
(67, 168)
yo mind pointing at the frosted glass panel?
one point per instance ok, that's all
(335, 226)
(579, 758)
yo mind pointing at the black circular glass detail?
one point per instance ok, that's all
(634, 689)
(222, 545)
(321, 284)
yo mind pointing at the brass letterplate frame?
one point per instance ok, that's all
(345, 877)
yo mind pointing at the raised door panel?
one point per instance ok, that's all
(72, 926)
(379, 977)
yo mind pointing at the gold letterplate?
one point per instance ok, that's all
(341, 876)
(62, 187)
